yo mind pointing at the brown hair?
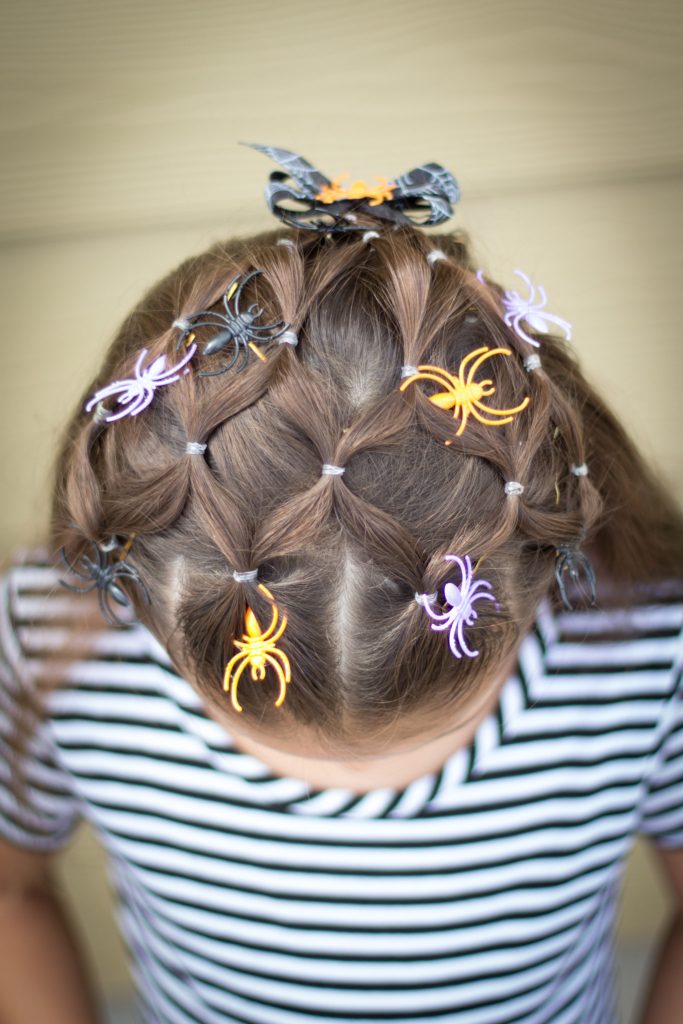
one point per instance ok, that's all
(344, 555)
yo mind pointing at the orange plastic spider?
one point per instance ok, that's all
(463, 394)
(257, 649)
(357, 190)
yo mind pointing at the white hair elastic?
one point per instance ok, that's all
(513, 487)
(101, 413)
(245, 577)
(434, 255)
(532, 362)
(286, 241)
(408, 371)
(195, 448)
(370, 234)
(426, 599)
(182, 324)
(330, 470)
(288, 338)
(581, 470)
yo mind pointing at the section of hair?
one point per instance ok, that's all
(344, 555)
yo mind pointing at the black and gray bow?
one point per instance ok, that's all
(421, 197)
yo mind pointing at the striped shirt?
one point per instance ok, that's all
(484, 893)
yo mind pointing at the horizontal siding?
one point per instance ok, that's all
(128, 115)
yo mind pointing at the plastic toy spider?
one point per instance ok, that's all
(571, 562)
(137, 392)
(461, 613)
(377, 194)
(257, 649)
(100, 574)
(530, 309)
(236, 328)
(463, 394)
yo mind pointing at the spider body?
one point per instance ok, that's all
(531, 309)
(462, 612)
(237, 330)
(463, 394)
(136, 393)
(257, 649)
(101, 574)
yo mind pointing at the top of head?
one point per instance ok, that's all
(343, 554)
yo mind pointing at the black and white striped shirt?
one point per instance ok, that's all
(484, 893)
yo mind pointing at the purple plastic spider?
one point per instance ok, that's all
(235, 327)
(137, 392)
(99, 573)
(530, 309)
(461, 613)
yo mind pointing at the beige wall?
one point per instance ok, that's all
(119, 149)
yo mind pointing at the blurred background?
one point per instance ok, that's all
(120, 156)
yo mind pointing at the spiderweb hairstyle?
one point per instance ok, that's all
(345, 554)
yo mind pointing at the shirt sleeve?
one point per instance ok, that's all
(38, 810)
(662, 811)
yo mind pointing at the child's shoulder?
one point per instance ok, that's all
(625, 648)
(52, 638)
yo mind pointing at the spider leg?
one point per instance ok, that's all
(527, 280)
(71, 568)
(283, 663)
(238, 293)
(120, 570)
(213, 319)
(463, 643)
(438, 376)
(171, 374)
(269, 634)
(133, 404)
(228, 294)
(108, 391)
(283, 673)
(466, 409)
(519, 330)
(75, 587)
(103, 596)
(501, 412)
(564, 325)
(455, 637)
(477, 363)
(235, 679)
(279, 325)
(465, 568)
(497, 412)
(465, 361)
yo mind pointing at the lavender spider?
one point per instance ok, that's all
(137, 392)
(100, 574)
(530, 309)
(237, 328)
(461, 613)
(571, 562)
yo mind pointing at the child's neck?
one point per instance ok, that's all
(409, 761)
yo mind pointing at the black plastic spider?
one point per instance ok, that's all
(569, 561)
(236, 328)
(102, 575)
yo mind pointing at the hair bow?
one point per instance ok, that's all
(429, 187)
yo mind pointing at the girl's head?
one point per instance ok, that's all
(343, 555)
